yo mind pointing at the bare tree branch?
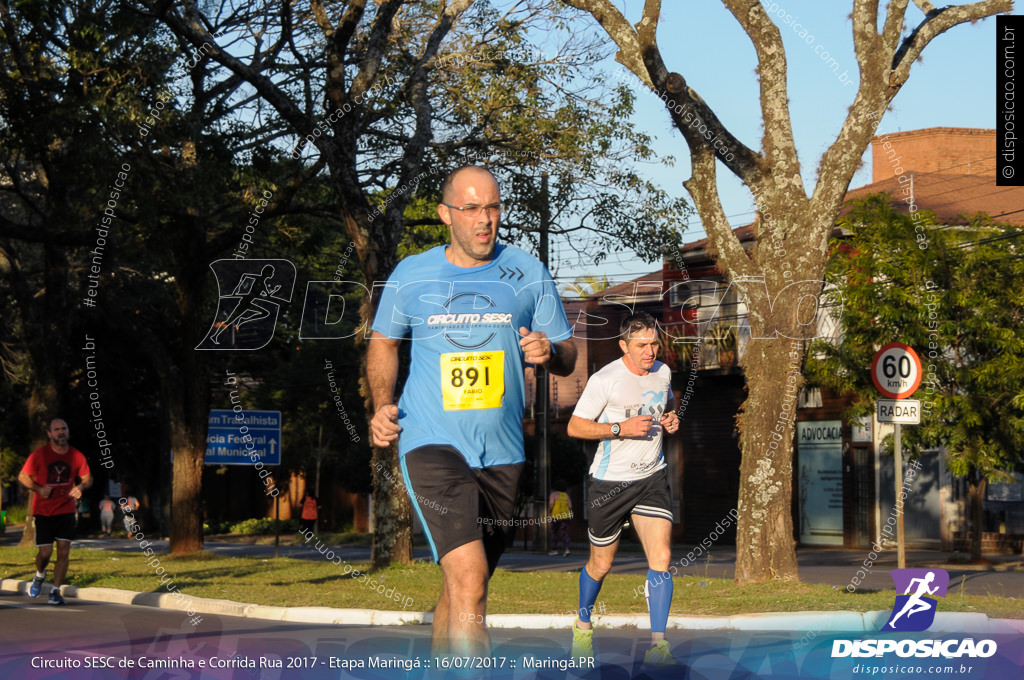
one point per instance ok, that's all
(192, 28)
(893, 27)
(879, 85)
(618, 28)
(866, 41)
(779, 147)
(935, 23)
(698, 123)
(703, 187)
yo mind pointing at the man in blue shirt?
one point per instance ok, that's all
(477, 313)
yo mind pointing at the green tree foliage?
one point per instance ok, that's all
(91, 88)
(68, 74)
(74, 76)
(955, 293)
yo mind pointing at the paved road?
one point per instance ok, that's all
(163, 645)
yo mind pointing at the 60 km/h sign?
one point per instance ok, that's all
(896, 370)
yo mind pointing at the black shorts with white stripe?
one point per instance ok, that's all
(610, 503)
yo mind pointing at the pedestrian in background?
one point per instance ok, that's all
(307, 520)
(106, 515)
(560, 511)
(130, 507)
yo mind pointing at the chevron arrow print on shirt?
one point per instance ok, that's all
(511, 273)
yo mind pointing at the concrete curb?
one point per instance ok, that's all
(825, 621)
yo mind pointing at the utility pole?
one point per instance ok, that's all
(543, 391)
(321, 451)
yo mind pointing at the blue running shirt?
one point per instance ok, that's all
(466, 387)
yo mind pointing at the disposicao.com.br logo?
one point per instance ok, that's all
(913, 612)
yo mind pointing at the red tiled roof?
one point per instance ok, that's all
(744, 234)
(951, 196)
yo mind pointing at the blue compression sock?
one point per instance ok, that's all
(589, 588)
(659, 598)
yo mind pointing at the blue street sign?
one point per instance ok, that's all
(226, 442)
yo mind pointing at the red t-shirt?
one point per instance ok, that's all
(60, 471)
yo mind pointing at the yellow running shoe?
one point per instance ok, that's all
(660, 654)
(582, 642)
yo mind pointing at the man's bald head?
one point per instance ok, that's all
(465, 174)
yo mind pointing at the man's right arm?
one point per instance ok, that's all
(30, 484)
(382, 372)
(27, 481)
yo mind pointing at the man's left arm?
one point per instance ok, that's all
(670, 419)
(77, 489)
(557, 357)
(564, 360)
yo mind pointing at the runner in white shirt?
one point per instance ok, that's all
(625, 406)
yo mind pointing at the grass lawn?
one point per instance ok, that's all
(289, 582)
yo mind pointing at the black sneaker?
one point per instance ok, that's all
(55, 597)
(37, 584)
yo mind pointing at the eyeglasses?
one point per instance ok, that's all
(473, 211)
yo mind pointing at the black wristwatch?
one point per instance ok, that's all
(616, 429)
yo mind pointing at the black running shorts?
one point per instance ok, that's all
(458, 504)
(610, 503)
(50, 528)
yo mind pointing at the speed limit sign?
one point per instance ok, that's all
(896, 370)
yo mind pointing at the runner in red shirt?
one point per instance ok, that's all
(57, 473)
(308, 517)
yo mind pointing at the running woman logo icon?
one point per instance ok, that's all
(914, 610)
(247, 316)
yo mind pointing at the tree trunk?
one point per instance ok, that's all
(28, 537)
(189, 449)
(781, 317)
(392, 526)
(189, 393)
(765, 549)
(976, 494)
(392, 512)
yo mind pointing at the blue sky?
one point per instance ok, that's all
(952, 86)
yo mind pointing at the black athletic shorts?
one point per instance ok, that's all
(609, 504)
(50, 528)
(458, 504)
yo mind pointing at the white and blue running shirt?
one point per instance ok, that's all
(466, 387)
(615, 394)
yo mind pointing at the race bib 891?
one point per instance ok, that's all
(472, 380)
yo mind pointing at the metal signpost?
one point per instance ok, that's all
(896, 372)
(246, 438)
